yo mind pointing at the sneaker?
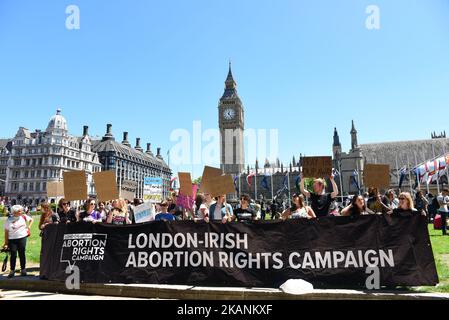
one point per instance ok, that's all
(11, 274)
(23, 273)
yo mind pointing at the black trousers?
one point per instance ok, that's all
(443, 221)
(18, 245)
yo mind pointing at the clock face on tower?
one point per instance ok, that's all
(229, 114)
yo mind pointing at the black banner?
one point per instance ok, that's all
(331, 252)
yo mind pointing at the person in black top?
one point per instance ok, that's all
(173, 207)
(245, 212)
(321, 201)
(66, 214)
(356, 208)
(406, 206)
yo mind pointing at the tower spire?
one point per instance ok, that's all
(354, 142)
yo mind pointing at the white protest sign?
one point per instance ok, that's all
(144, 213)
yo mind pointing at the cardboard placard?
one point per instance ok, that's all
(377, 176)
(55, 189)
(127, 195)
(185, 181)
(208, 174)
(75, 185)
(317, 167)
(144, 213)
(221, 185)
(106, 185)
(187, 202)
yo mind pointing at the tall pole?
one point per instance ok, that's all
(447, 171)
(272, 189)
(436, 170)
(341, 180)
(289, 195)
(416, 166)
(255, 185)
(409, 174)
(358, 175)
(397, 172)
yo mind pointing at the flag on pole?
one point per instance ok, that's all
(285, 182)
(297, 183)
(264, 182)
(403, 174)
(172, 182)
(249, 178)
(335, 173)
(236, 179)
(354, 179)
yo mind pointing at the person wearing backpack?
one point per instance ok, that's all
(17, 230)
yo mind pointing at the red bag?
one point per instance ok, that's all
(28, 229)
(437, 223)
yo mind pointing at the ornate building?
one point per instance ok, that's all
(5, 149)
(398, 154)
(232, 126)
(36, 158)
(132, 165)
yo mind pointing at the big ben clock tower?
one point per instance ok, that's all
(232, 125)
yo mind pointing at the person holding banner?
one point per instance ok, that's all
(375, 203)
(406, 206)
(66, 214)
(47, 216)
(356, 208)
(90, 214)
(201, 210)
(220, 210)
(17, 230)
(321, 201)
(119, 214)
(298, 210)
(164, 215)
(245, 212)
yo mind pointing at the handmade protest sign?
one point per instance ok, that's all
(106, 185)
(152, 189)
(75, 185)
(221, 185)
(144, 213)
(185, 181)
(377, 176)
(186, 202)
(208, 174)
(55, 189)
(127, 195)
(317, 167)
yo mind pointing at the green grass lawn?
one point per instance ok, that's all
(440, 247)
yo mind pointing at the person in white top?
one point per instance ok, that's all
(201, 209)
(17, 230)
(298, 210)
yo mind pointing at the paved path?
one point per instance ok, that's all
(27, 295)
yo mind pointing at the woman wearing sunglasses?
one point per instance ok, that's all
(66, 214)
(90, 213)
(406, 206)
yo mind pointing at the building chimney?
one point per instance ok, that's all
(85, 131)
(159, 153)
(108, 135)
(125, 140)
(138, 147)
(149, 149)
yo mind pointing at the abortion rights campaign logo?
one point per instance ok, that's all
(83, 247)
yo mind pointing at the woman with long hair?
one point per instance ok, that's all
(357, 207)
(406, 206)
(47, 216)
(298, 210)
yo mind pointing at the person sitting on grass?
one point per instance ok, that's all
(164, 215)
(17, 230)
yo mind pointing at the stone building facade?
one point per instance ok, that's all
(132, 165)
(38, 157)
(5, 149)
(397, 155)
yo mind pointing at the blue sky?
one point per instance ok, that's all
(303, 67)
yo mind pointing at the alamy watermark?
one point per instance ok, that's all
(372, 22)
(72, 21)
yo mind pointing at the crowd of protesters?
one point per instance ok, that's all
(217, 209)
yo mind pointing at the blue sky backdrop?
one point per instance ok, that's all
(303, 67)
